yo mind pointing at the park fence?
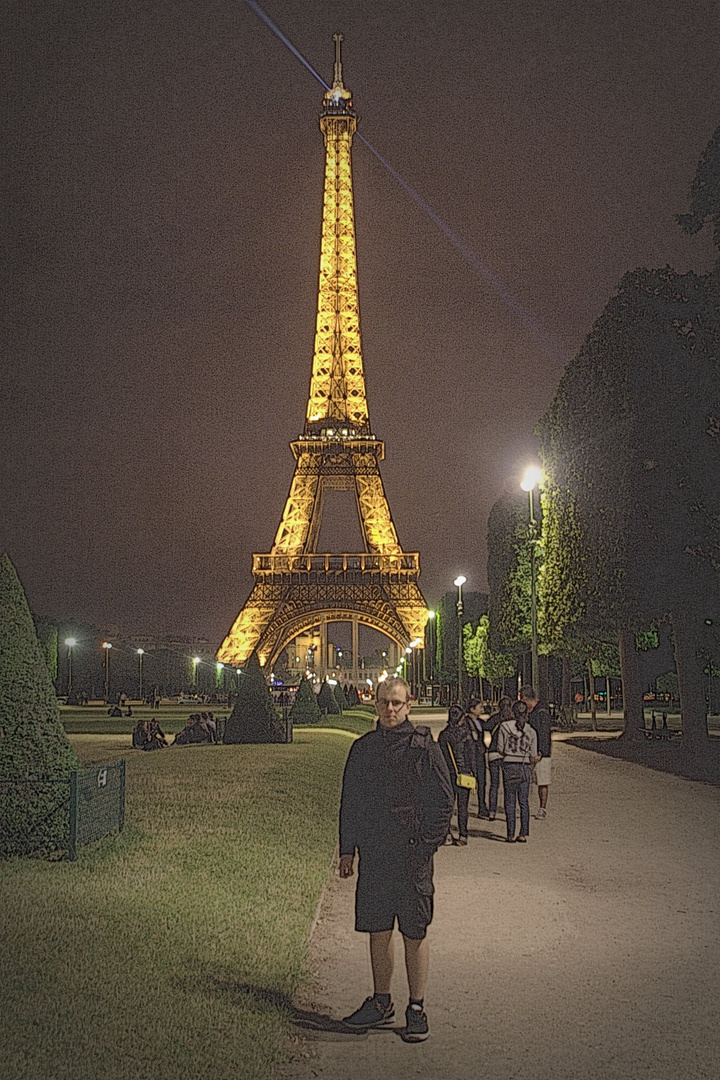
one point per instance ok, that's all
(56, 817)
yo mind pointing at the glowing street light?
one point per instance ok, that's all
(140, 654)
(107, 647)
(196, 661)
(459, 582)
(429, 645)
(71, 642)
(529, 482)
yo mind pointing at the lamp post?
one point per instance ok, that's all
(428, 645)
(70, 642)
(196, 661)
(459, 581)
(107, 647)
(140, 654)
(529, 482)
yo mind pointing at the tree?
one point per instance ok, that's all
(254, 718)
(305, 709)
(326, 699)
(339, 697)
(446, 630)
(483, 662)
(509, 573)
(33, 743)
(631, 456)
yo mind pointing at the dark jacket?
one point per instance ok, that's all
(396, 793)
(540, 720)
(459, 737)
(493, 726)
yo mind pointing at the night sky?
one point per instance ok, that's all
(163, 186)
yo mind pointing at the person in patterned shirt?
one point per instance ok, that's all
(517, 746)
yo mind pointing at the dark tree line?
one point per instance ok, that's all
(630, 447)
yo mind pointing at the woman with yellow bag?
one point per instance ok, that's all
(458, 746)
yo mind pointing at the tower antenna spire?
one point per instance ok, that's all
(337, 74)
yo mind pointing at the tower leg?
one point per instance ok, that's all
(355, 652)
(323, 650)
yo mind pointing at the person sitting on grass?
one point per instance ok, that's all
(211, 725)
(183, 737)
(140, 735)
(156, 737)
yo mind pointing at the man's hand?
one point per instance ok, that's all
(346, 866)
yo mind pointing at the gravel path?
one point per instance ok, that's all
(590, 953)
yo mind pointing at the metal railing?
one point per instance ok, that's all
(51, 817)
(403, 562)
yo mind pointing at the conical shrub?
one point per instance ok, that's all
(36, 758)
(339, 698)
(305, 708)
(326, 699)
(254, 718)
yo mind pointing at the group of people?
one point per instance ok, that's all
(519, 751)
(199, 728)
(399, 791)
(148, 735)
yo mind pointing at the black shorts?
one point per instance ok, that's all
(394, 886)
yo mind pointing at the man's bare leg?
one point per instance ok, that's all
(417, 963)
(543, 795)
(382, 958)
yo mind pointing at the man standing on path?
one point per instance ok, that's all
(397, 800)
(539, 718)
(479, 719)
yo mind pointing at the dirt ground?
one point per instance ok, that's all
(590, 953)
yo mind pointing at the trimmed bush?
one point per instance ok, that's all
(339, 698)
(352, 698)
(305, 708)
(326, 699)
(35, 755)
(254, 718)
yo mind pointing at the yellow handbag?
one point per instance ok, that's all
(466, 780)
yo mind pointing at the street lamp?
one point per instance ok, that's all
(196, 661)
(70, 642)
(107, 647)
(140, 653)
(428, 669)
(529, 482)
(460, 581)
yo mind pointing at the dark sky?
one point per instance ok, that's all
(161, 238)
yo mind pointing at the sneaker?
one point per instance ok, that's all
(371, 1014)
(542, 812)
(416, 1025)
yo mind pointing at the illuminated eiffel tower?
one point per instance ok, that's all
(296, 588)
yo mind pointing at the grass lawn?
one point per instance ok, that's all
(171, 951)
(172, 718)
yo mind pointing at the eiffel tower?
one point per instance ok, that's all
(296, 588)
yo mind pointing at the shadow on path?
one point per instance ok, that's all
(664, 757)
